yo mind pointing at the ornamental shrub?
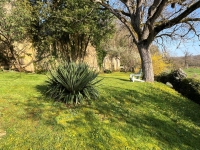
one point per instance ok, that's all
(163, 77)
(159, 64)
(71, 83)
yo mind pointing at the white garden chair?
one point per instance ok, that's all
(136, 77)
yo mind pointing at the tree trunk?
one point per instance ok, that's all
(147, 67)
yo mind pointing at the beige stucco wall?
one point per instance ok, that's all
(111, 63)
(26, 55)
(91, 57)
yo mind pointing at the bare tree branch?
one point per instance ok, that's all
(177, 19)
(190, 19)
(122, 12)
(158, 8)
(122, 19)
(147, 20)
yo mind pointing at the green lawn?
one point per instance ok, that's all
(193, 72)
(127, 116)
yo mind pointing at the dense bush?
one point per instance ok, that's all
(107, 71)
(159, 63)
(174, 77)
(71, 82)
(189, 88)
(163, 77)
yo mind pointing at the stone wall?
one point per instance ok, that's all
(24, 54)
(24, 50)
(91, 57)
(111, 63)
(27, 56)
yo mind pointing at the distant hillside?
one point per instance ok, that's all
(190, 61)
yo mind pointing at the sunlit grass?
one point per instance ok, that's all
(193, 73)
(126, 116)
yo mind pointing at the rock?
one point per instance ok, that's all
(169, 84)
(179, 74)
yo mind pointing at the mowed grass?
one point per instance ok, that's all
(193, 73)
(126, 116)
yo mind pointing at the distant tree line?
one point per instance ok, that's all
(184, 62)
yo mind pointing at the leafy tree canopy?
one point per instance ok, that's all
(14, 27)
(68, 26)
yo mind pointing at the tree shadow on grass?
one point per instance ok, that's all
(127, 80)
(41, 88)
(113, 77)
(179, 105)
(40, 107)
(167, 129)
(163, 101)
(41, 111)
(160, 121)
(165, 132)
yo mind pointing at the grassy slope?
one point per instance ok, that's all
(126, 116)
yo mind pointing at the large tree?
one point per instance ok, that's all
(63, 28)
(150, 19)
(14, 25)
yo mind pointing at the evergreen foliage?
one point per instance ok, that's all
(65, 28)
(57, 29)
(14, 27)
(71, 83)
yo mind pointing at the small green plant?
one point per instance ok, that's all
(71, 82)
(107, 71)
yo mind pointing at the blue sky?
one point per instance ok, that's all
(178, 47)
(192, 46)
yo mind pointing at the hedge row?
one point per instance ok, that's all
(188, 87)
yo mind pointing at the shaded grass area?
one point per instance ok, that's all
(126, 116)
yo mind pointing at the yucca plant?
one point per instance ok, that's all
(71, 83)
